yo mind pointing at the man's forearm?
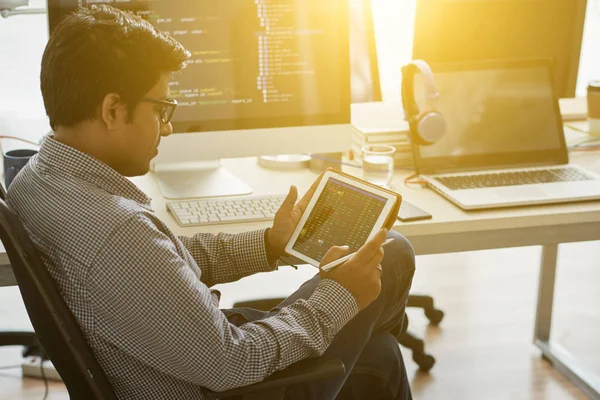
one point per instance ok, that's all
(226, 258)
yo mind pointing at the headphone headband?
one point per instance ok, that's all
(429, 127)
(411, 109)
(430, 87)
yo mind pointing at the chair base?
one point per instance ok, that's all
(417, 346)
(433, 314)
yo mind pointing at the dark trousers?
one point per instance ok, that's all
(367, 344)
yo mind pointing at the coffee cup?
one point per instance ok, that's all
(593, 102)
(14, 161)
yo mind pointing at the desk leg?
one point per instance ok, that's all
(543, 316)
(561, 359)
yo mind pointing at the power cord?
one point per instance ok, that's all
(349, 164)
(43, 373)
(18, 138)
(323, 158)
(587, 145)
(576, 128)
(284, 263)
(414, 180)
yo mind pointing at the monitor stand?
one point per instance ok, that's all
(197, 180)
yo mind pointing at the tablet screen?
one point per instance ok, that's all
(342, 215)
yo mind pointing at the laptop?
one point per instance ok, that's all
(504, 144)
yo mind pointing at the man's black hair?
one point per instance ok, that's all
(100, 50)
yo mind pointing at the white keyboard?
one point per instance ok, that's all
(226, 210)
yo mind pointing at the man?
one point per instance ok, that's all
(140, 294)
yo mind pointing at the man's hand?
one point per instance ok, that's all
(287, 218)
(361, 274)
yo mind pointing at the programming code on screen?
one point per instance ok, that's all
(250, 58)
(343, 215)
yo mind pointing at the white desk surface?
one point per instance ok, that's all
(448, 220)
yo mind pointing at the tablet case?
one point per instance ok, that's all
(389, 223)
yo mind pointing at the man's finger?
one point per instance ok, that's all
(334, 253)
(369, 249)
(372, 262)
(307, 196)
(288, 204)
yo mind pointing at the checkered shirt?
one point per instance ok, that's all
(141, 295)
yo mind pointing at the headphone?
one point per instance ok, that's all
(429, 126)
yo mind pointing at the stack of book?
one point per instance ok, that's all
(381, 123)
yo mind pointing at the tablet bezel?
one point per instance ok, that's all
(380, 223)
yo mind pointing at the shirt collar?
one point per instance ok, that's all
(70, 161)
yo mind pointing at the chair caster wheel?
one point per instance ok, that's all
(434, 316)
(424, 361)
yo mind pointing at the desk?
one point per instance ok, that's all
(450, 230)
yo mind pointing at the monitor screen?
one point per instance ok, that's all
(255, 63)
(476, 30)
(496, 113)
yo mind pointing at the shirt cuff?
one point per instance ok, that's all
(250, 251)
(336, 302)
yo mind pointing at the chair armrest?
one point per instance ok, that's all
(306, 370)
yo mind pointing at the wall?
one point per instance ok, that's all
(22, 41)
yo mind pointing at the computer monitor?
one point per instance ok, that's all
(266, 77)
(364, 65)
(474, 30)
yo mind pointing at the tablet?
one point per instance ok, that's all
(342, 211)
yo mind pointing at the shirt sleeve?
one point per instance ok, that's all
(226, 258)
(147, 301)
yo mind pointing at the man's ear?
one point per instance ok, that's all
(113, 112)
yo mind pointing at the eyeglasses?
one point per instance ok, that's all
(165, 108)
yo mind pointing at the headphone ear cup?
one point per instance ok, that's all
(430, 128)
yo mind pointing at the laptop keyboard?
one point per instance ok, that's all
(549, 175)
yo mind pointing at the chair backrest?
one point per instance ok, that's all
(54, 324)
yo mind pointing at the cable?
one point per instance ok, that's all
(575, 128)
(18, 138)
(43, 372)
(319, 157)
(586, 145)
(410, 180)
(407, 181)
(288, 264)
(587, 148)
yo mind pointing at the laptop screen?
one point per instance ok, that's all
(498, 114)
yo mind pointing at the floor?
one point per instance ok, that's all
(483, 346)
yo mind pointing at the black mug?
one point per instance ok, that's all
(14, 161)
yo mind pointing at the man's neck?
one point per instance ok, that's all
(86, 138)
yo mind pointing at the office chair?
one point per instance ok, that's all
(28, 340)
(66, 346)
